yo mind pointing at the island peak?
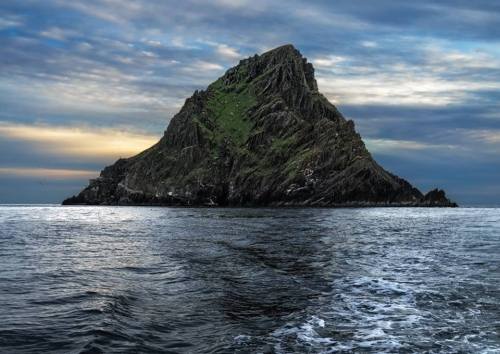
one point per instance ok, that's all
(260, 135)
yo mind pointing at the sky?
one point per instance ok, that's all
(84, 82)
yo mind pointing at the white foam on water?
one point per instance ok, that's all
(304, 334)
(365, 314)
(242, 338)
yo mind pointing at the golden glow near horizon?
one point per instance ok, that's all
(74, 142)
(49, 173)
(79, 141)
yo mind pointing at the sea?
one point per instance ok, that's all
(241, 280)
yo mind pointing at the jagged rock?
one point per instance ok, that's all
(437, 197)
(261, 135)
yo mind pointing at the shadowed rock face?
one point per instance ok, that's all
(261, 135)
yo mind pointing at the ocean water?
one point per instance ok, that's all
(175, 280)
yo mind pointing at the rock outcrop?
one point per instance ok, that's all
(261, 135)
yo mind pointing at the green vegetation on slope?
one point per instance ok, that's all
(229, 108)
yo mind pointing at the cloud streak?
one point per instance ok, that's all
(79, 142)
(395, 147)
(47, 173)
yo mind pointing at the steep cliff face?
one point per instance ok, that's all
(261, 135)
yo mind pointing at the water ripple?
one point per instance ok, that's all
(174, 280)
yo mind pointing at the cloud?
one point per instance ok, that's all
(325, 16)
(441, 78)
(328, 62)
(492, 137)
(78, 142)
(203, 68)
(179, 42)
(403, 88)
(396, 147)
(99, 10)
(207, 66)
(154, 43)
(148, 54)
(234, 4)
(47, 173)
(249, 6)
(55, 33)
(489, 140)
(84, 46)
(9, 22)
(97, 89)
(442, 59)
(369, 44)
(227, 52)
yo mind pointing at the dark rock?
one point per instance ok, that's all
(261, 135)
(437, 197)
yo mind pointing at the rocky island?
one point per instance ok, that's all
(261, 135)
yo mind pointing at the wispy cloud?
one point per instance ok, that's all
(441, 78)
(10, 22)
(401, 147)
(328, 62)
(101, 10)
(203, 68)
(79, 141)
(228, 52)
(55, 33)
(489, 140)
(47, 173)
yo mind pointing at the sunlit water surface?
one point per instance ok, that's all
(127, 279)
